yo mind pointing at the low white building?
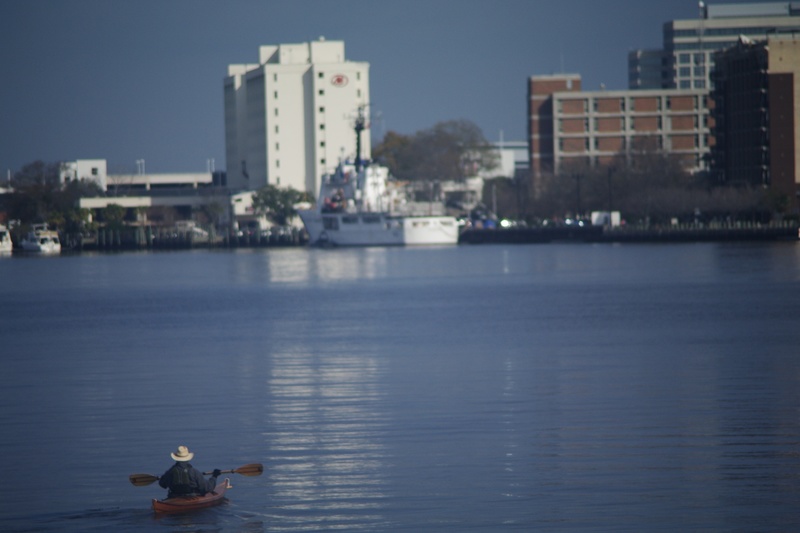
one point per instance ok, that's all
(93, 170)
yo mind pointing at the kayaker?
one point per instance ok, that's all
(184, 480)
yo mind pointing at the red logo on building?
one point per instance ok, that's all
(339, 80)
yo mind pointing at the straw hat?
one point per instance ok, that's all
(183, 454)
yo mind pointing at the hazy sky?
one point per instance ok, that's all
(142, 79)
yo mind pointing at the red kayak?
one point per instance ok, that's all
(182, 505)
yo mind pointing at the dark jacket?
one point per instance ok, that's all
(182, 479)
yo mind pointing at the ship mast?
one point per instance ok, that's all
(360, 125)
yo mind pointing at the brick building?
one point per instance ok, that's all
(569, 126)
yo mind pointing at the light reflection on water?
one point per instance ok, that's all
(325, 438)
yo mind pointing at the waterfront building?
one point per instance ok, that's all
(689, 44)
(540, 119)
(573, 127)
(91, 170)
(290, 118)
(757, 115)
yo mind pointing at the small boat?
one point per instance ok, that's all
(41, 240)
(6, 244)
(183, 505)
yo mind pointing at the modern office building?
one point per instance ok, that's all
(757, 116)
(688, 45)
(290, 117)
(571, 127)
(645, 69)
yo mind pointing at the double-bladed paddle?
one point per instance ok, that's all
(254, 469)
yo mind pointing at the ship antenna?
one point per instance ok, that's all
(359, 127)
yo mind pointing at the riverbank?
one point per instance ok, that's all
(677, 233)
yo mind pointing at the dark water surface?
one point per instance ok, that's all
(531, 388)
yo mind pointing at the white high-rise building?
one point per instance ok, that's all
(290, 118)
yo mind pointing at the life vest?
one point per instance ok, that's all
(181, 482)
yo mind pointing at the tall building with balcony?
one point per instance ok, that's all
(290, 117)
(757, 115)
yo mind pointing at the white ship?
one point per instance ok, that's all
(6, 245)
(357, 207)
(41, 240)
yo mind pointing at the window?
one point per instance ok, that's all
(277, 146)
(275, 95)
(685, 72)
(686, 84)
(699, 84)
(322, 144)
(322, 126)
(277, 130)
(274, 77)
(276, 111)
(321, 92)
(322, 109)
(277, 163)
(684, 58)
(321, 75)
(94, 171)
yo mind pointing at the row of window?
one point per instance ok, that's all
(667, 104)
(688, 84)
(717, 32)
(626, 143)
(636, 123)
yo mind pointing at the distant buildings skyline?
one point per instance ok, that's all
(686, 59)
(568, 126)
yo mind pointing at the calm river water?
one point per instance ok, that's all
(552, 387)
